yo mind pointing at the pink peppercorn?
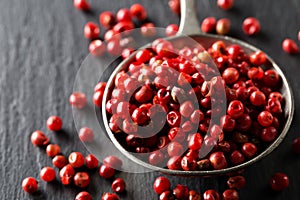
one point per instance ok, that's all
(251, 26)
(77, 100)
(290, 46)
(209, 25)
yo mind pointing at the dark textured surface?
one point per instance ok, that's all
(42, 46)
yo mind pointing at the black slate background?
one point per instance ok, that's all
(41, 48)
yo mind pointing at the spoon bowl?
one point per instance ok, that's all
(189, 26)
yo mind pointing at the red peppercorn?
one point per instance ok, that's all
(91, 30)
(112, 35)
(97, 98)
(187, 126)
(258, 58)
(181, 192)
(255, 73)
(271, 78)
(86, 134)
(164, 96)
(225, 4)
(175, 149)
(274, 106)
(124, 14)
(134, 141)
(268, 134)
(66, 174)
(81, 5)
(249, 149)
(173, 118)
(227, 123)
(30, 185)
(208, 25)
(166, 195)
(91, 161)
(129, 127)
(59, 161)
(138, 11)
(130, 84)
(290, 46)
(194, 195)
(279, 182)
(196, 116)
(106, 172)
(97, 48)
(257, 98)
(81, 179)
(52, 150)
(218, 160)
(111, 108)
(234, 51)
(252, 89)
(47, 174)
(100, 87)
(113, 47)
(265, 118)
(122, 27)
(54, 123)
(148, 30)
(143, 56)
(251, 26)
(186, 108)
(237, 158)
(161, 184)
(118, 185)
(235, 109)
(240, 83)
(156, 158)
(171, 30)
(218, 47)
(188, 163)
(113, 162)
(211, 195)
(174, 6)
(197, 79)
(83, 196)
(38, 138)
(216, 132)
(110, 196)
(107, 19)
(230, 94)
(230, 194)
(230, 75)
(76, 159)
(164, 49)
(195, 142)
(77, 100)
(296, 145)
(236, 182)
(223, 26)
(126, 53)
(193, 154)
(186, 65)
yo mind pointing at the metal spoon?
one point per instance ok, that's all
(189, 26)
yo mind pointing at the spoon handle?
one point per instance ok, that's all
(188, 24)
